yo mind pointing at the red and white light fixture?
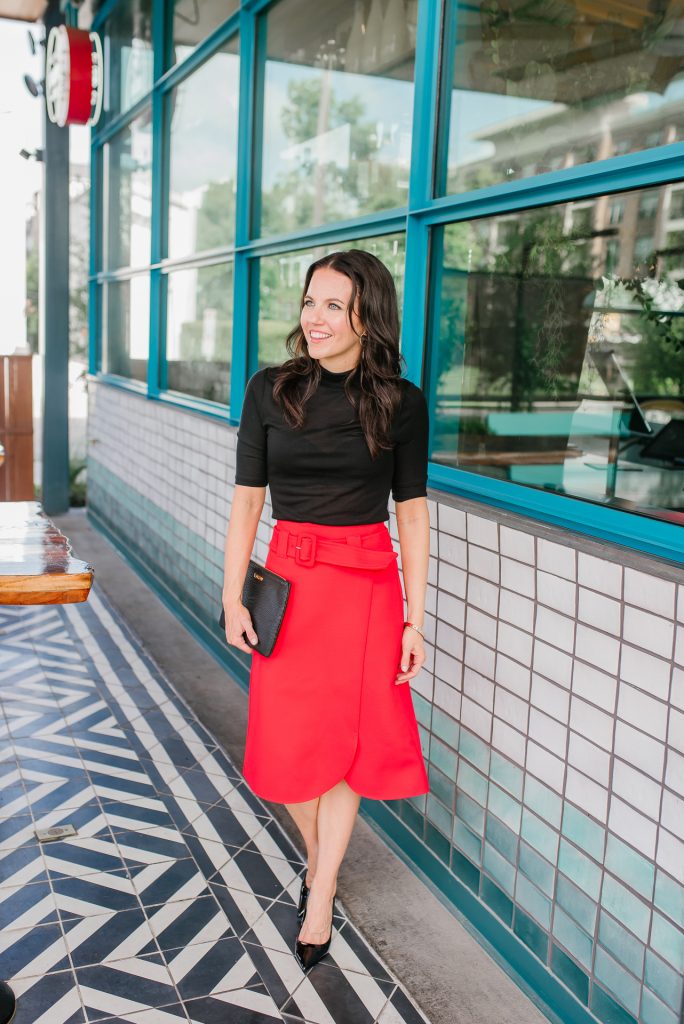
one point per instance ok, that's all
(73, 76)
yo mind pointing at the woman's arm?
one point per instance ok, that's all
(245, 513)
(413, 524)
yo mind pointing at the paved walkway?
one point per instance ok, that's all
(175, 900)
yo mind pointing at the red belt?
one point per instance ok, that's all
(309, 548)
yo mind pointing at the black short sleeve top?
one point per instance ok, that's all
(323, 472)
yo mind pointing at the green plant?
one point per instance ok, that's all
(77, 483)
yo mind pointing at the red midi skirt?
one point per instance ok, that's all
(324, 706)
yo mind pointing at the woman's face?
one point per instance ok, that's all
(325, 321)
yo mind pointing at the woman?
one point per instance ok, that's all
(332, 431)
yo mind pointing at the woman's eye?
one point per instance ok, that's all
(333, 305)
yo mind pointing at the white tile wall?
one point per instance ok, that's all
(597, 648)
(645, 671)
(648, 631)
(637, 789)
(513, 676)
(599, 574)
(633, 827)
(586, 793)
(550, 662)
(559, 559)
(518, 577)
(649, 592)
(600, 611)
(555, 628)
(516, 544)
(594, 686)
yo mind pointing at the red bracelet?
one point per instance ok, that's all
(411, 624)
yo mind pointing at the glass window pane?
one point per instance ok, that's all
(128, 54)
(539, 87)
(128, 195)
(559, 349)
(126, 327)
(203, 156)
(199, 330)
(281, 279)
(194, 20)
(337, 111)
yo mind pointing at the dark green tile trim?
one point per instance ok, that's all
(607, 1010)
(568, 971)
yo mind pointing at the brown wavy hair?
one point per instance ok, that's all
(378, 370)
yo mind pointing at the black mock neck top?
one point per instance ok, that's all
(323, 472)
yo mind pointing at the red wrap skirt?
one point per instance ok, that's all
(324, 706)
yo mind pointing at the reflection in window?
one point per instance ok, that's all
(128, 55)
(560, 352)
(199, 328)
(193, 20)
(281, 279)
(203, 156)
(126, 327)
(540, 87)
(337, 111)
(127, 195)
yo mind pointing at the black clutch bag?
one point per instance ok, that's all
(264, 595)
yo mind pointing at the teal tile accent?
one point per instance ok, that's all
(467, 841)
(472, 782)
(443, 757)
(618, 981)
(439, 815)
(529, 932)
(499, 868)
(669, 897)
(419, 802)
(570, 935)
(543, 801)
(414, 820)
(667, 940)
(537, 869)
(465, 870)
(621, 944)
(437, 842)
(579, 906)
(626, 907)
(502, 838)
(667, 983)
(569, 973)
(422, 708)
(470, 812)
(495, 898)
(475, 750)
(655, 1012)
(539, 835)
(424, 739)
(533, 901)
(508, 775)
(607, 1010)
(505, 807)
(628, 865)
(442, 787)
(580, 869)
(445, 727)
(583, 832)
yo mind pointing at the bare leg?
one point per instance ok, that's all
(304, 815)
(336, 816)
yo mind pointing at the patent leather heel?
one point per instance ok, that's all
(309, 953)
(303, 896)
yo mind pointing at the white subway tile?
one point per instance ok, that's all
(548, 732)
(633, 827)
(483, 595)
(511, 709)
(639, 750)
(552, 663)
(453, 550)
(448, 698)
(600, 611)
(556, 629)
(482, 627)
(675, 735)
(482, 531)
(545, 766)
(650, 592)
(517, 610)
(559, 559)
(637, 789)
(556, 593)
(670, 855)
(680, 602)
(594, 686)
(508, 740)
(518, 577)
(645, 671)
(648, 631)
(515, 643)
(451, 610)
(449, 669)
(587, 794)
(452, 579)
(592, 723)
(588, 758)
(484, 563)
(449, 640)
(479, 657)
(598, 649)
(517, 544)
(513, 676)
(672, 814)
(679, 645)
(478, 688)
(643, 711)
(552, 699)
(451, 520)
(677, 695)
(476, 718)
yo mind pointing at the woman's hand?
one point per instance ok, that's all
(412, 655)
(238, 621)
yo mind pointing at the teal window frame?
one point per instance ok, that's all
(422, 214)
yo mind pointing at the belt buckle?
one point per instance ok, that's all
(310, 558)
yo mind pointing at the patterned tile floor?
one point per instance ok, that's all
(175, 900)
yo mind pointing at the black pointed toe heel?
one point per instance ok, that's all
(309, 953)
(303, 896)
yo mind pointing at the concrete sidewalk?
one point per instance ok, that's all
(418, 936)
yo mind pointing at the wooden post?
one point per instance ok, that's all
(16, 428)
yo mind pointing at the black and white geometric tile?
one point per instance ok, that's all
(174, 902)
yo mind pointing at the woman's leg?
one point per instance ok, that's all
(304, 815)
(336, 815)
